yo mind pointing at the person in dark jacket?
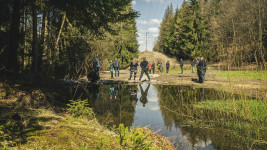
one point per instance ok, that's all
(167, 66)
(143, 98)
(181, 65)
(111, 68)
(144, 68)
(201, 68)
(117, 67)
(193, 64)
(197, 62)
(133, 68)
(153, 67)
(94, 75)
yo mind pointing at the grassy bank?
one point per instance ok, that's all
(76, 129)
(246, 119)
(262, 75)
(253, 110)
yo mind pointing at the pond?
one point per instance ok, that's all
(167, 110)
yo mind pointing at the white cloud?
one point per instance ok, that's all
(153, 0)
(155, 35)
(151, 22)
(153, 30)
(142, 22)
(141, 42)
(155, 21)
(133, 2)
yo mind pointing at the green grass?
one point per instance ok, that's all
(46, 130)
(253, 110)
(244, 74)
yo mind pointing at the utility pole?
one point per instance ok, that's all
(146, 40)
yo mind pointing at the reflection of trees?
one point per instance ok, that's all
(199, 124)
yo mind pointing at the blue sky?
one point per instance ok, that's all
(151, 14)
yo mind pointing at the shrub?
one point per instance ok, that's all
(80, 108)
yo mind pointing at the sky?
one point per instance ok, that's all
(148, 23)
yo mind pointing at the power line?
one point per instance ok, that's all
(149, 11)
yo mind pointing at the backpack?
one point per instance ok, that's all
(96, 63)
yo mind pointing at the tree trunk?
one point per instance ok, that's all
(59, 33)
(13, 66)
(260, 40)
(34, 40)
(43, 39)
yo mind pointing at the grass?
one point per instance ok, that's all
(45, 130)
(177, 69)
(252, 110)
(262, 75)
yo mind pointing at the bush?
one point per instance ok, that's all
(81, 109)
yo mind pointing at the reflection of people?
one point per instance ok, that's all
(133, 68)
(202, 93)
(143, 98)
(133, 97)
(201, 68)
(116, 91)
(96, 93)
(144, 68)
(111, 93)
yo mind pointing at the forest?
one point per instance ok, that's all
(59, 39)
(233, 32)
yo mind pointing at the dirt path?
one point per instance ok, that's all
(248, 86)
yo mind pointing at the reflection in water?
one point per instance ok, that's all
(143, 97)
(114, 91)
(165, 109)
(133, 97)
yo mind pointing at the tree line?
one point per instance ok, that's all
(229, 31)
(60, 38)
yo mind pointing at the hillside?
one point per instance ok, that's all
(157, 57)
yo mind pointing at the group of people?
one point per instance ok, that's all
(150, 67)
(115, 67)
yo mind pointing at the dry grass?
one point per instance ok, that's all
(157, 57)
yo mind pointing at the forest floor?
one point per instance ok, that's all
(249, 82)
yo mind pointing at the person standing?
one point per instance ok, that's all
(94, 75)
(167, 66)
(161, 67)
(117, 67)
(153, 67)
(193, 63)
(149, 67)
(201, 67)
(133, 68)
(181, 65)
(111, 68)
(144, 69)
(197, 62)
(158, 65)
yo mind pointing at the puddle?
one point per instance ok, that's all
(164, 108)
